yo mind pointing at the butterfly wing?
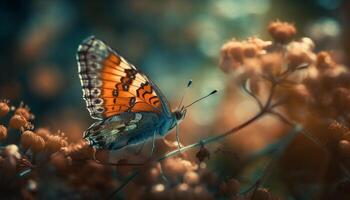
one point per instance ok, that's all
(112, 86)
(120, 130)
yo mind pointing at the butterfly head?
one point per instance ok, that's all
(179, 115)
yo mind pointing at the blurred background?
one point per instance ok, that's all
(171, 41)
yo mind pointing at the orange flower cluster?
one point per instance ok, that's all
(41, 153)
(187, 180)
(40, 150)
(310, 89)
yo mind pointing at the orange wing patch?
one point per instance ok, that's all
(110, 84)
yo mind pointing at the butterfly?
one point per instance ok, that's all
(128, 106)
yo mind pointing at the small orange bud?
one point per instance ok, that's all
(79, 150)
(281, 32)
(43, 132)
(38, 144)
(3, 132)
(4, 108)
(250, 50)
(17, 121)
(55, 143)
(26, 139)
(33, 141)
(324, 61)
(24, 111)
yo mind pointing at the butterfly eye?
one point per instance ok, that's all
(178, 115)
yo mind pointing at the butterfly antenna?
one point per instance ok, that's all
(213, 92)
(183, 96)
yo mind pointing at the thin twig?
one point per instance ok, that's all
(130, 178)
(257, 100)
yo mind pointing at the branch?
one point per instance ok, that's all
(257, 100)
(265, 110)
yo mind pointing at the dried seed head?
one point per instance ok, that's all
(203, 154)
(259, 43)
(282, 32)
(3, 132)
(17, 121)
(4, 108)
(231, 55)
(43, 132)
(79, 150)
(25, 112)
(250, 50)
(33, 141)
(38, 144)
(234, 50)
(55, 142)
(26, 139)
(324, 61)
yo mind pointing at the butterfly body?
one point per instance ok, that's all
(129, 107)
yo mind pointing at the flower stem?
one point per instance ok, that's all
(212, 138)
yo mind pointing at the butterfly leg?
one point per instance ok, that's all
(153, 145)
(177, 137)
(94, 154)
